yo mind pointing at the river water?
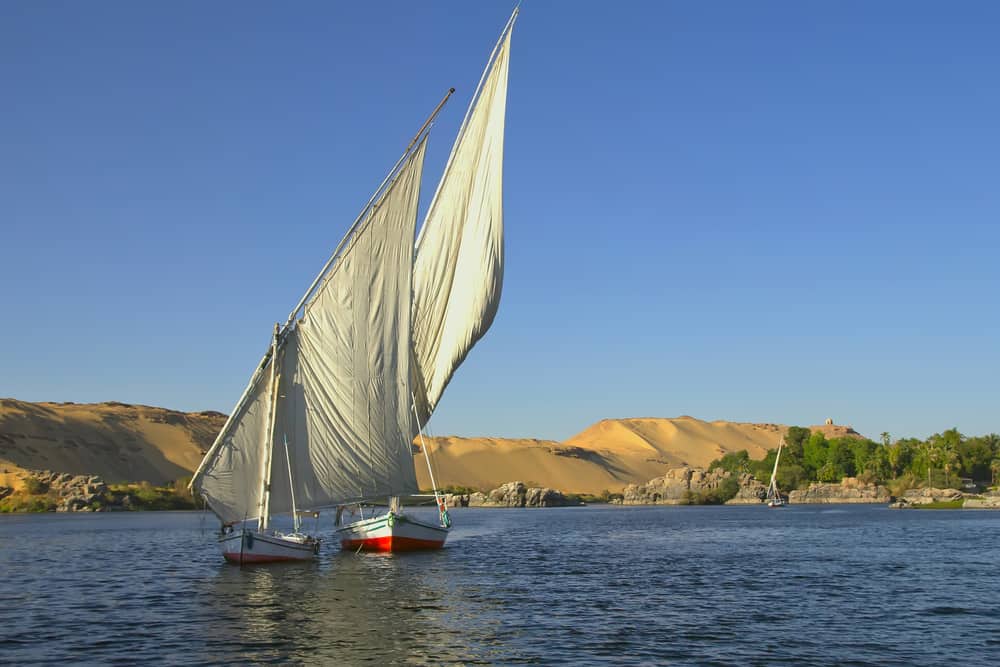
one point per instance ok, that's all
(822, 585)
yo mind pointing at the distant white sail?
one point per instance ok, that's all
(458, 270)
(344, 394)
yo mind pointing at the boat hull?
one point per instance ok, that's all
(392, 532)
(245, 547)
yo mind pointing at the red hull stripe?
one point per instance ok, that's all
(390, 543)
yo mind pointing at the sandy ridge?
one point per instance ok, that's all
(122, 442)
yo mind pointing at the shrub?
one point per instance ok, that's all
(22, 503)
(902, 484)
(181, 490)
(35, 487)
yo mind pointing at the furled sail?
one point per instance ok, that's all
(343, 404)
(458, 270)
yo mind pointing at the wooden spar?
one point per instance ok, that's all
(267, 444)
(296, 520)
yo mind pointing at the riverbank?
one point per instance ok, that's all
(47, 491)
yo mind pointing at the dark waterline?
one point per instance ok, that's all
(824, 585)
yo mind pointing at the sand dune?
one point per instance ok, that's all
(606, 456)
(117, 441)
(133, 442)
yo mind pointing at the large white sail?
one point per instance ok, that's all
(343, 403)
(458, 270)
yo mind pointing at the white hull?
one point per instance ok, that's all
(247, 546)
(392, 532)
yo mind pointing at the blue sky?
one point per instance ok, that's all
(769, 211)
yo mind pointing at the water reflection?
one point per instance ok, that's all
(345, 608)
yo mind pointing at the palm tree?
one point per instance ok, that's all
(885, 438)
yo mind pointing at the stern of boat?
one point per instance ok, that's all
(243, 547)
(392, 532)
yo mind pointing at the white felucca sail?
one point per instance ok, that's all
(458, 270)
(773, 497)
(343, 399)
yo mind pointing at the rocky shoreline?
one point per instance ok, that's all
(946, 498)
(512, 494)
(44, 490)
(48, 491)
(849, 490)
(681, 486)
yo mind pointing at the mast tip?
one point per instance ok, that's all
(451, 90)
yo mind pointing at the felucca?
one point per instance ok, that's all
(457, 280)
(363, 359)
(774, 498)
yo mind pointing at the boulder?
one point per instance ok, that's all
(676, 487)
(511, 494)
(752, 492)
(73, 504)
(545, 497)
(517, 494)
(930, 495)
(456, 499)
(987, 501)
(849, 490)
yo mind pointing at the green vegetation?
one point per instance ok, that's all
(35, 487)
(145, 496)
(603, 497)
(36, 496)
(941, 505)
(941, 460)
(23, 502)
(726, 491)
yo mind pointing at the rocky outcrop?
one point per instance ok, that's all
(752, 492)
(44, 490)
(64, 492)
(849, 490)
(456, 499)
(517, 494)
(680, 486)
(987, 501)
(928, 496)
(931, 495)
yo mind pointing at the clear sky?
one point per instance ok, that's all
(766, 211)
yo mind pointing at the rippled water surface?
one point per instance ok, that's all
(830, 585)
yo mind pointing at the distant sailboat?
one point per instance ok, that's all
(364, 357)
(774, 498)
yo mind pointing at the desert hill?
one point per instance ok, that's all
(117, 441)
(605, 456)
(122, 442)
